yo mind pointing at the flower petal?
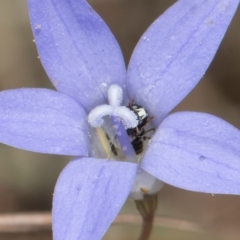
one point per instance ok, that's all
(175, 52)
(42, 120)
(88, 195)
(77, 50)
(196, 151)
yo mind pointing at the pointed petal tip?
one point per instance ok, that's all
(77, 49)
(88, 195)
(175, 52)
(43, 120)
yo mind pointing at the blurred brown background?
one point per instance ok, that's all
(27, 179)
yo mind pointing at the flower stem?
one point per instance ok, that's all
(146, 228)
(147, 208)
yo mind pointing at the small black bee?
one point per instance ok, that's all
(138, 134)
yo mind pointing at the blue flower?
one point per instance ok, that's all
(190, 150)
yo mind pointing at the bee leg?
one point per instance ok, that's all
(131, 104)
(149, 130)
(144, 137)
(149, 119)
(138, 131)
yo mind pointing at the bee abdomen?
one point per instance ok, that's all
(137, 144)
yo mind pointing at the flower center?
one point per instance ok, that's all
(123, 133)
(120, 130)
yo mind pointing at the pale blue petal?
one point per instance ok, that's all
(78, 51)
(196, 151)
(88, 196)
(43, 120)
(175, 52)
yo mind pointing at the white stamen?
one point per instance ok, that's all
(115, 95)
(96, 115)
(128, 117)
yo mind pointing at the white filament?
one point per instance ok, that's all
(115, 97)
